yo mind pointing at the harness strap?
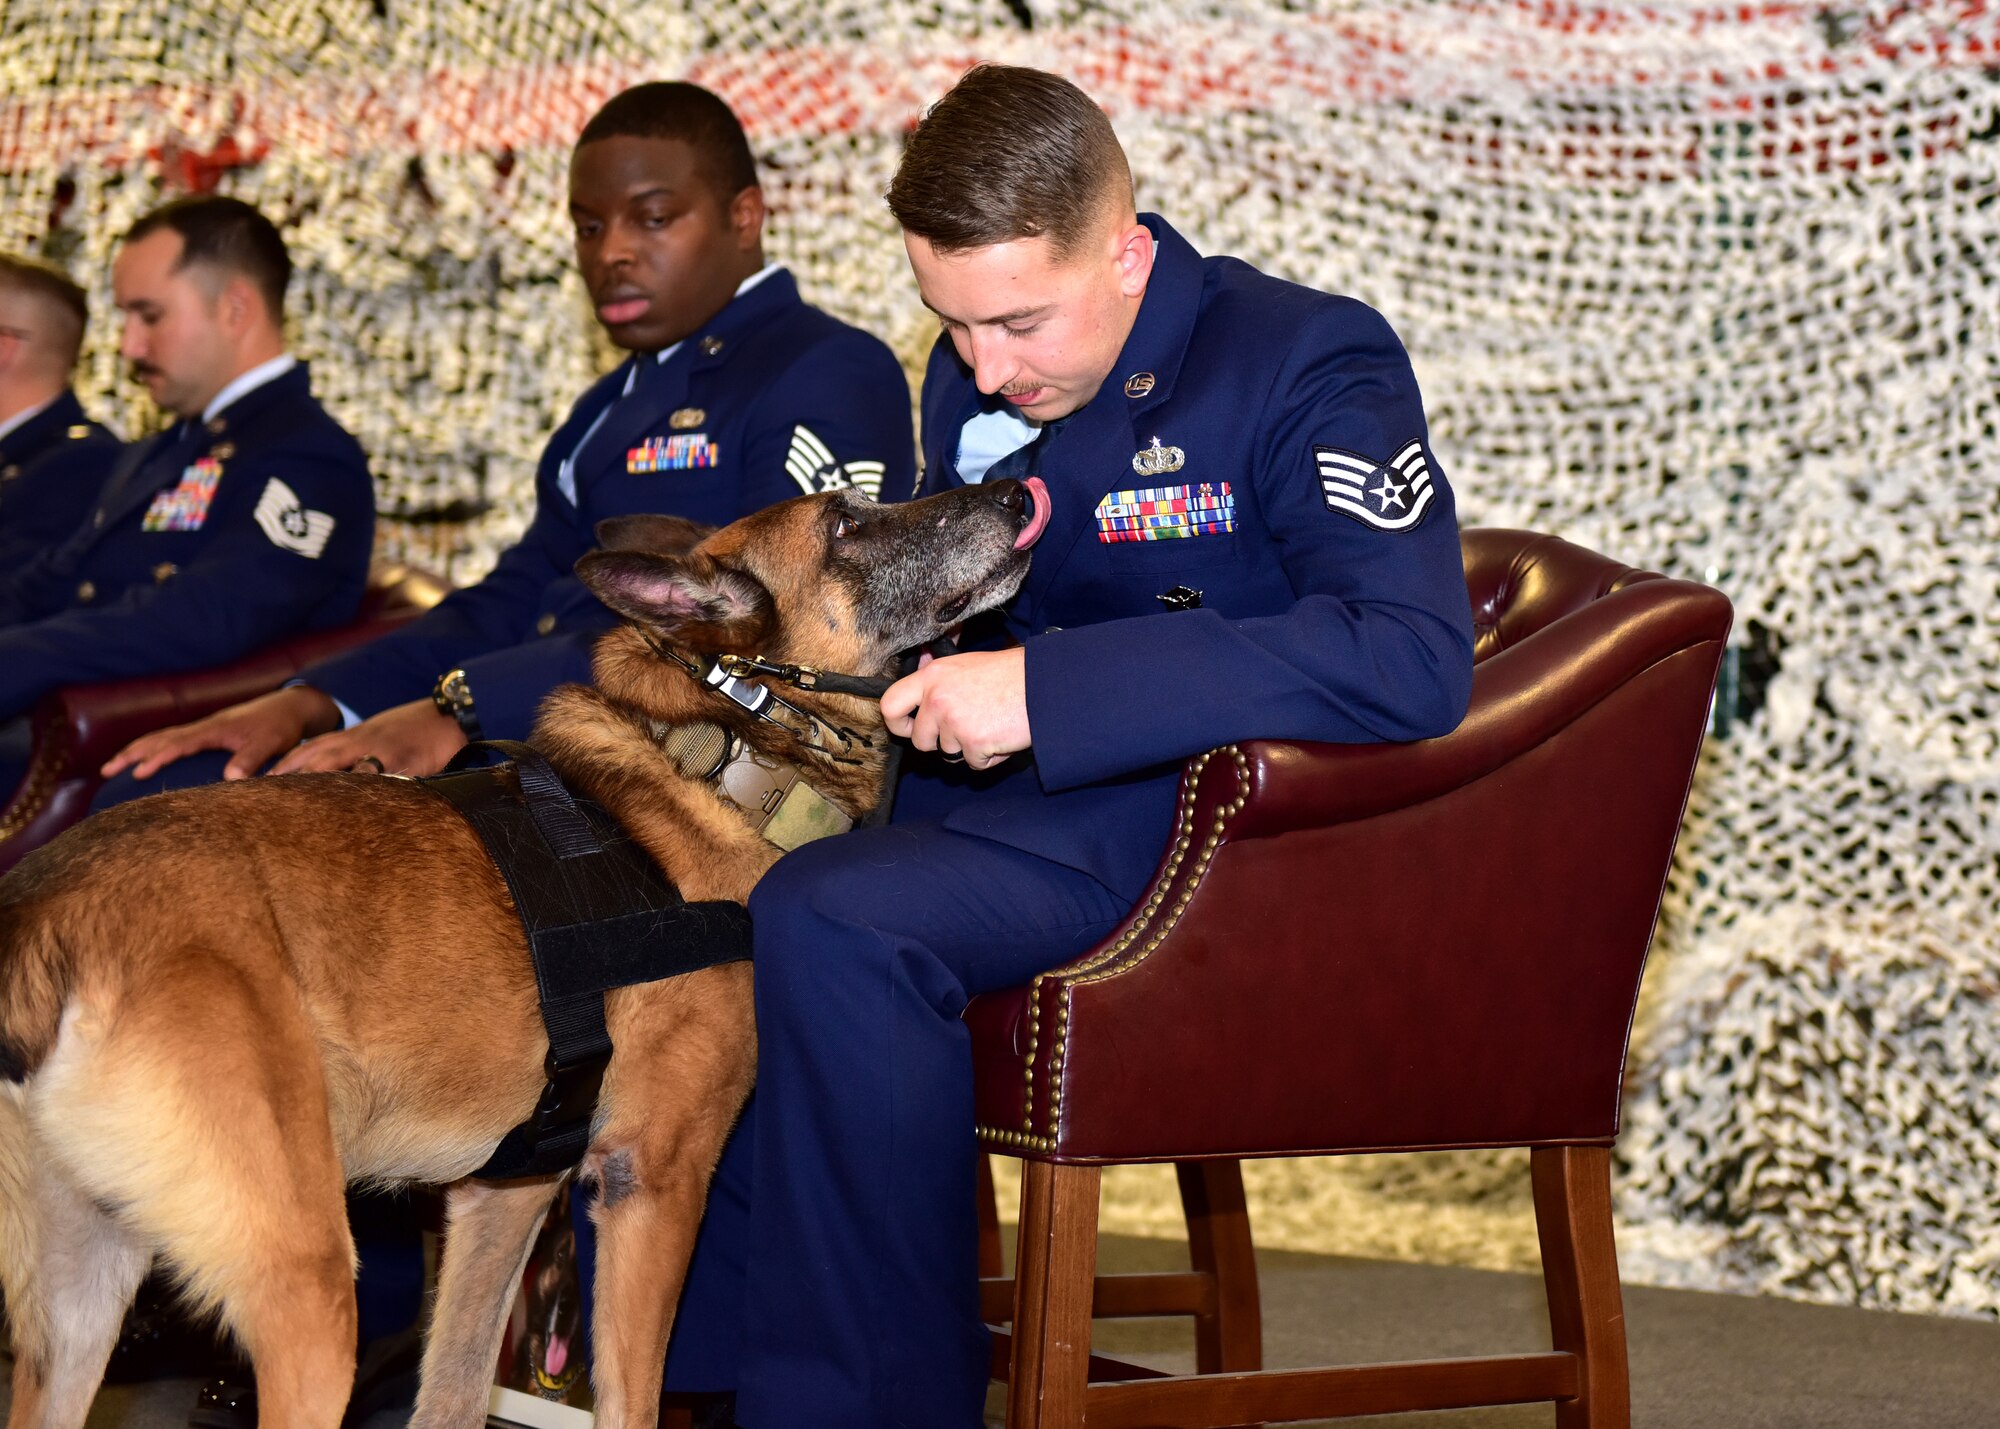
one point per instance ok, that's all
(598, 914)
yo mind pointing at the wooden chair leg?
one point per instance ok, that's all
(989, 1219)
(1218, 1229)
(1580, 1268)
(1055, 1272)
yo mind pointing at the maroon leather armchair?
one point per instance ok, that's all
(1368, 948)
(78, 727)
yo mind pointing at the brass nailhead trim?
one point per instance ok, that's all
(51, 753)
(1105, 963)
(1018, 1139)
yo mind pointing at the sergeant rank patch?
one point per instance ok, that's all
(813, 466)
(287, 522)
(1391, 496)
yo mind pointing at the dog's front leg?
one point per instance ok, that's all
(489, 1229)
(646, 1212)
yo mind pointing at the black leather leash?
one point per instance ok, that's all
(599, 914)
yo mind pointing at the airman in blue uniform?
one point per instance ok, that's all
(737, 394)
(1244, 533)
(53, 458)
(249, 518)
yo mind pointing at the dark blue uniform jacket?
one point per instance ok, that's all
(208, 541)
(1321, 539)
(772, 398)
(51, 468)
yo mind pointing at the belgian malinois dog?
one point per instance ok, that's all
(218, 1007)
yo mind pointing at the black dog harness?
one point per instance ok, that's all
(599, 915)
(598, 912)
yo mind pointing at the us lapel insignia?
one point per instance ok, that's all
(223, 451)
(1138, 384)
(1157, 460)
(686, 419)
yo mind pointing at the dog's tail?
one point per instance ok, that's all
(35, 976)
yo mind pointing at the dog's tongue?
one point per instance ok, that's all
(557, 1357)
(1038, 513)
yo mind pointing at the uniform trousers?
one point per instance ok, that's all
(835, 1280)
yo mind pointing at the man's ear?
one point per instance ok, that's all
(1134, 252)
(660, 535)
(239, 303)
(746, 217)
(696, 601)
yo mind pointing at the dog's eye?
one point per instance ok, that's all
(845, 526)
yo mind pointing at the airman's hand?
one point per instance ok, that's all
(254, 732)
(973, 705)
(413, 739)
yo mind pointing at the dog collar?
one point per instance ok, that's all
(731, 676)
(781, 806)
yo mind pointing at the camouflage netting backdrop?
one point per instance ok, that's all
(1711, 288)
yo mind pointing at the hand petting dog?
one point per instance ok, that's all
(973, 705)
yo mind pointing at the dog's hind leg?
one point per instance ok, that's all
(489, 1229)
(196, 1104)
(68, 1271)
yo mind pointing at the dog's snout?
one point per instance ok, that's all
(1011, 496)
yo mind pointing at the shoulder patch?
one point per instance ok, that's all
(1394, 495)
(286, 521)
(812, 466)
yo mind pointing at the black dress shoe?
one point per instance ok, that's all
(225, 1404)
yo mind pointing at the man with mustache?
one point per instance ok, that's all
(736, 395)
(1241, 533)
(53, 458)
(249, 518)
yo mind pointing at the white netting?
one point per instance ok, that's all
(1710, 287)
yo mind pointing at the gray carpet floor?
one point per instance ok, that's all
(1698, 1361)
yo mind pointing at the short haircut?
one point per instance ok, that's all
(229, 235)
(674, 109)
(1009, 153)
(60, 298)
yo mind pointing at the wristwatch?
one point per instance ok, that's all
(453, 696)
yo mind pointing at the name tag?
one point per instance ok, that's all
(184, 506)
(1166, 513)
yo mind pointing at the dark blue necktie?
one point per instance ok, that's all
(648, 375)
(1027, 460)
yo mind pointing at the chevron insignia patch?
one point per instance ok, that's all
(1390, 496)
(813, 467)
(287, 522)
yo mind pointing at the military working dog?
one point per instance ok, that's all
(218, 1007)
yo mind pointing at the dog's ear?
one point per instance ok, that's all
(701, 603)
(661, 535)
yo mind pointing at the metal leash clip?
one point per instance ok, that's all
(742, 667)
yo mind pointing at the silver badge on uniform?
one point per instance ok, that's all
(1157, 460)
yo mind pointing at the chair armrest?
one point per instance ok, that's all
(78, 727)
(1520, 697)
(102, 719)
(1457, 926)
